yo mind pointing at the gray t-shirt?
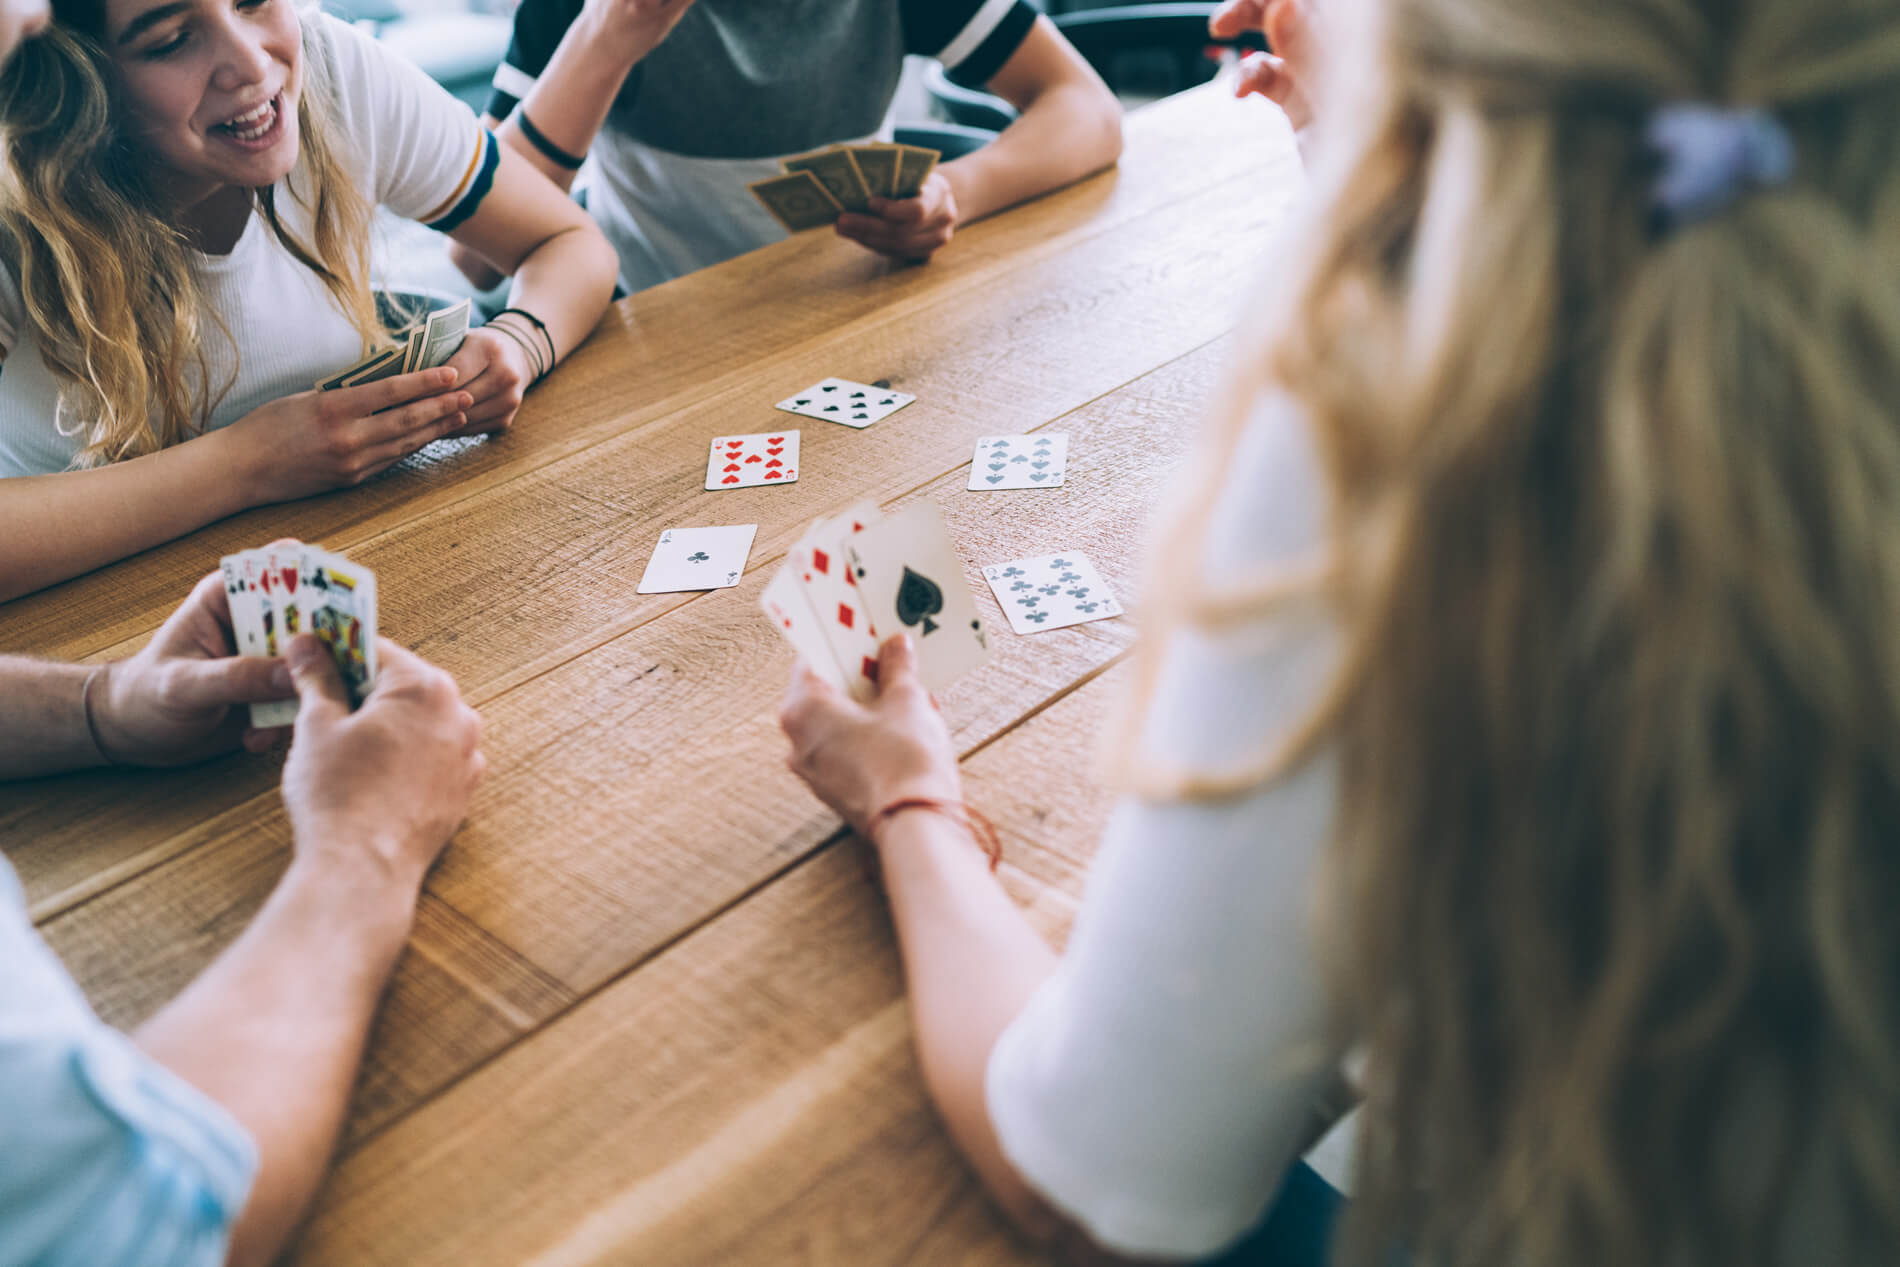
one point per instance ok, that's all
(736, 86)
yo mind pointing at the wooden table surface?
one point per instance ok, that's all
(652, 1009)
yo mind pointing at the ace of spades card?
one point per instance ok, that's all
(911, 579)
(842, 401)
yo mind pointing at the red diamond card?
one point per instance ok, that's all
(749, 461)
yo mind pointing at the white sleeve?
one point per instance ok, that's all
(423, 154)
(1157, 1088)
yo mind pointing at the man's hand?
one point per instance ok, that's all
(632, 28)
(385, 785)
(906, 228)
(181, 699)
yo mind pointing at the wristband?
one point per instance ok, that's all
(522, 341)
(549, 150)
(85, 709)
(981, 829)
(538, 324)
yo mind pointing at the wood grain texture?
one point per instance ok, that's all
(665, 348)
(751, 1096)
(523, 576)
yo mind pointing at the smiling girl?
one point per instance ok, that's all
(184, 249)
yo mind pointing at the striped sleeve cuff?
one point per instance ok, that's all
(475, 184)
(511, 87)
(989, 39)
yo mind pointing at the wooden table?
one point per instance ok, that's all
(652, 1009)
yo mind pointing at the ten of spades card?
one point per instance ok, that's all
(843, 401)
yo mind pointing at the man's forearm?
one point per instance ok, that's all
(274, 1030)
(45, 729)
(1065, 134)
(570, 99)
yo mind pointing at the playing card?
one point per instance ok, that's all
(337, 602)
(832, 595)
(796, 200)
(342, 378)
(914, 164)
(441, 335)
(838, 172)
(785, 605)
(1051, 592)
(877, 163)
(1031, 461)
(911, 579)
(771, 457)
(841, 400)
(698, 559)
(383, 365)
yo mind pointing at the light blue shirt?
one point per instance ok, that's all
(106, 1157)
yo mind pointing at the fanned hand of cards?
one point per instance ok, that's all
(422, 346)
(857, 578)
(278, 592)
(819, 187)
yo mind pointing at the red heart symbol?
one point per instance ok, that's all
(776, 452)
(774, 462)
(772, 475)
(730, 479)
(732, 466)
(755, 458)
(775, 439)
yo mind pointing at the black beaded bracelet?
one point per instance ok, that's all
(539, 325)
(549, 150)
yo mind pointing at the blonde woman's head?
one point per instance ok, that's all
(1615, 550)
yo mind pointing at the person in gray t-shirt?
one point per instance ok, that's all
(680, 105)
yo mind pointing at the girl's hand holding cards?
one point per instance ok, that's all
(314, 441)
(495, 372)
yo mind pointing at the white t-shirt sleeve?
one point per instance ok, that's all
(1159, 1085)
(421, 153)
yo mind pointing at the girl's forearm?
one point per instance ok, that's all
(566, 282)
(58, 526)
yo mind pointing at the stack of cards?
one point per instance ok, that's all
(422, 346)
(279, 592)
(857, 578)
(819, 187)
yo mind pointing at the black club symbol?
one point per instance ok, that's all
(1060, 563)
(1050, 590)
(1066, 577)
(1038, 617)
(1019, 586)
(698, 556)
(1012, 571)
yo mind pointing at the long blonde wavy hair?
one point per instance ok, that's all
(104, 270)
(1614, 549)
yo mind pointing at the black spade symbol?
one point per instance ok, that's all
(831, 409)
(829, 387)
(918, 599)
(857, 395)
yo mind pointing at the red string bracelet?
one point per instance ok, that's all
(981, 829)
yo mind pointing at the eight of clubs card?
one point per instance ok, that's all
(698, 559)
(770, 457)
(911, 580)
(841, 400)
(1031, 461)
(1051, 592)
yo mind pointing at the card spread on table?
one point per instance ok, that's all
(910, 578)
(1051, 592)
(1031, 461)
(421, 346)
(770, 457)
(277, 592)
(841, 400)
(698, 559)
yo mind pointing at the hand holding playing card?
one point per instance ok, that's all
(311, 442)
(493, 370)
(177, 700)
(858, 758)
(906, 228)
(386, 785)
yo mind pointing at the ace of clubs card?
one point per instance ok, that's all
(911, 579)
(698, 559)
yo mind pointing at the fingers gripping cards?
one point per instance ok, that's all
(280, 591)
